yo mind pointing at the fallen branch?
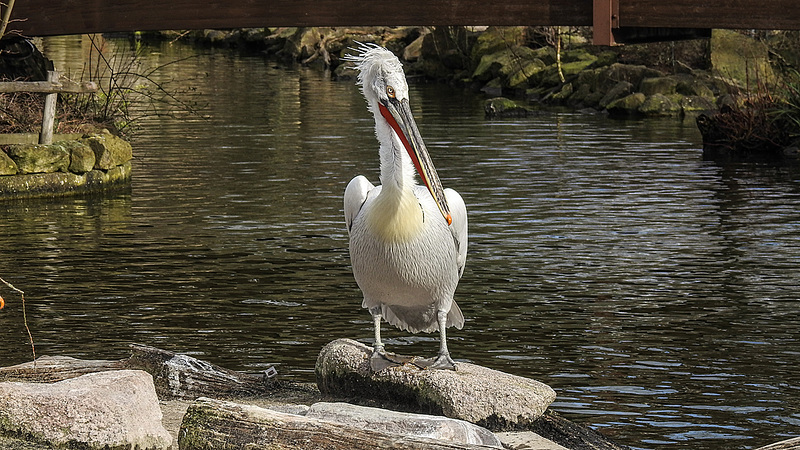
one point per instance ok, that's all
(213, 424)
(24, 316)
(175, 375)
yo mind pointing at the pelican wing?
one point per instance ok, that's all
(354, 197)
(458, 210)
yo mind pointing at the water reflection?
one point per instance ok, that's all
(655, 291)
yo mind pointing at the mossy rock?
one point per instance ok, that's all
(627, 106)
(578, 54)
(7, 165)
(109, 150)
(581, 94)
(503, 63)
(501, 107)
(620, 90)
(550, 77)
(658, 85)
(659, 105)
(36, 158)
(81, 156)
(496, 39)
(691, 85)
(563, 94)
(633, 74)
(529, 68)
(695, 105)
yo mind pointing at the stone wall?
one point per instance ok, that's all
(93, 163)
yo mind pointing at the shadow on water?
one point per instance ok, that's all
(655, 291)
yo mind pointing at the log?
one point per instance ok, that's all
(175, 375)
(49, 369)
(789, 444)
(184, 377)
(213, 424)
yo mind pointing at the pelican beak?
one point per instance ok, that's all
(398, 114)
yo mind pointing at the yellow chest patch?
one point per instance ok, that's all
(396, 217)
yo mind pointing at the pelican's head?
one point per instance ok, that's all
(383, 83)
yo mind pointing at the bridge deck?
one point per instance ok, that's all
(49, 17)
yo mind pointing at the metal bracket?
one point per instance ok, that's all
(270, 372)
(605, 20)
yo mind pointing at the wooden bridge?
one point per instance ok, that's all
(610, 18)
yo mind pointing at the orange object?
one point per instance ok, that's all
(2, 303)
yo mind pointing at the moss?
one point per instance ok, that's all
(659, 105)
(627, 106)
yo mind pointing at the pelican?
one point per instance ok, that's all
(408, 242)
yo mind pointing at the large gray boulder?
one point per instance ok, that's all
(400, 423)
(114, 409)
(483, 396)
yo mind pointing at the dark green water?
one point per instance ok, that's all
(656, 292)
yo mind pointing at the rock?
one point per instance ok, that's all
(496, 39)
(115, 409)
(400, 423)
(691, 85)
(64, 183)
(501, 107)
(302, 44)
(493, 88)
(35, 158)
(626, 106)
(7, 165)
(413, 51)
(693, 105)
(659, 105)
(527, 440)
(483, 396)
(81, 156)
(658, 85)
(563, 94)
(109, 150)
(620, 90)
(513, 65)
(633, 74)
(526, 69)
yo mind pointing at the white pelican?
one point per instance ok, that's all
(408, 243)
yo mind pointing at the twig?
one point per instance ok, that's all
(24, 318)
(6, 17)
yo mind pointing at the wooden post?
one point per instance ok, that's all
(49, 115)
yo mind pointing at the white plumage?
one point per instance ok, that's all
(408, 242)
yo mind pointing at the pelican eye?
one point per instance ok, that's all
(390, 92)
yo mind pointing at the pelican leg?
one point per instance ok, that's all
(380, 358)
(376, 320)
(443, 360)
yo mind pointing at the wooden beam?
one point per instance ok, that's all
(47, 17)
(48, 87)
(733, 14)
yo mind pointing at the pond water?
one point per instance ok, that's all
(656, 292)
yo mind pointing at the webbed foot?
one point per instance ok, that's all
(443, 361)
(382, 359)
